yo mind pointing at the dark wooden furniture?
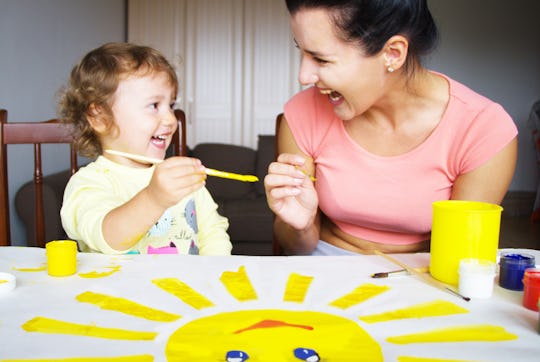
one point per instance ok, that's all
(35, 133)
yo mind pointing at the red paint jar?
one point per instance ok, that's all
(531, 290)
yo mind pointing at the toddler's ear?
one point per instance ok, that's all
(97, 118)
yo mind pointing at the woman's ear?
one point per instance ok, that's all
(97, 118)
(395, 52)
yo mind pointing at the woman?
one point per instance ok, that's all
(384, 136)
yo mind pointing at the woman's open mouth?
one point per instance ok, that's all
(335, 97)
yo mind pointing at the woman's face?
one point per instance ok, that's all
(352, 80)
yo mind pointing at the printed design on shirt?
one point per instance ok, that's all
(191, 220)
(171, 249)
(163, 225)
(162, 228)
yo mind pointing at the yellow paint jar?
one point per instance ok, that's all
(462, 230)
(61, 257)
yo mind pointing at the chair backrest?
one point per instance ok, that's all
(36, 134)
(276, 248)
(179, 138)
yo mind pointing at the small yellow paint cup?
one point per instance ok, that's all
(61, 257)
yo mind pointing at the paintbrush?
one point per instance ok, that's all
(425, 277)
(398, 272)
(312, 178)
(208, 171)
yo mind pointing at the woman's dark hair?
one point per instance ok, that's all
(371, 23)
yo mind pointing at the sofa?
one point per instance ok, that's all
(243, 203)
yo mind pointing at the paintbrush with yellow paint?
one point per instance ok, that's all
(209, 171)
(312, 178)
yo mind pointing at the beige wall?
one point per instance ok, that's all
(494, 48)
(40, 41)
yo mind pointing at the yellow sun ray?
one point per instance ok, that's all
(96, 274)
(126, 306)
(137, 358)
(359, 295)
(297, 287)
(47, 325)
(184, 292)
(31, 270)
(431, 309)
(238, 284)
(483, 333)
(421, 359)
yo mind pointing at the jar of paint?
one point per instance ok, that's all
(61, 257)
(512, 268)
(476, 278)
(531, 290)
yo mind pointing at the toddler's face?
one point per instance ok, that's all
(144, 118)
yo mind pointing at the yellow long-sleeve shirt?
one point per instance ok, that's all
(193, 226)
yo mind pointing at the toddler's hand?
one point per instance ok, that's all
(174, 179)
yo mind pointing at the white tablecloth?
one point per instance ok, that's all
(38, 294)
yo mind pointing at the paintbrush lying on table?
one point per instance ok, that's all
(209, 171)
(424, 277)
(398, 272)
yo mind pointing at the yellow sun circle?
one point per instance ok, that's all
(272, 335)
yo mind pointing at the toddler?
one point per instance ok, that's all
(121, 97)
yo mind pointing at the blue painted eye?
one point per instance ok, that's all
(306, 354)
(236, 356)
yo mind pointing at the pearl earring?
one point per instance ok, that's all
(390, 69)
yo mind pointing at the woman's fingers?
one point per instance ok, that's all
(291, 159)
(286, 169)
(282, 192)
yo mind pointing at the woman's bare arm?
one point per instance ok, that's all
(489, 182)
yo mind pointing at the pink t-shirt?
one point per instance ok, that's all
(389, 199)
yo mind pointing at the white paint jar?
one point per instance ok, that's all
(476, 278)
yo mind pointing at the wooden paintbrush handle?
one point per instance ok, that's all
(425, 277)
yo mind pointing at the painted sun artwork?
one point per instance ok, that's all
(226, 317)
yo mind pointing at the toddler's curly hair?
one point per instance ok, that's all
(93, 83)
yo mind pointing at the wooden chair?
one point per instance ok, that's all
(48, 132)
(179, 138)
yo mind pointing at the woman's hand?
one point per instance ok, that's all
(290, 193)
(174, 179)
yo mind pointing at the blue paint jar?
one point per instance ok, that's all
(512, 268)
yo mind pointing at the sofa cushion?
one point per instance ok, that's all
(266, 154)
(231, 158)
(249, 220)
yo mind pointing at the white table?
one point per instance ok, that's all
(39, 295)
